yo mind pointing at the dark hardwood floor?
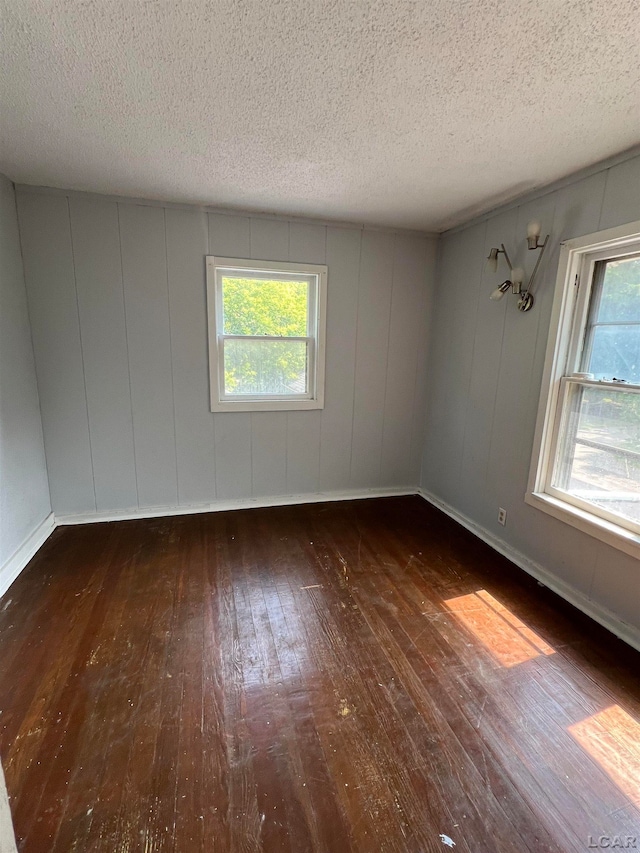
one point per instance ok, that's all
(361, 676)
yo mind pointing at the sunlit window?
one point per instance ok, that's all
(266, 334)
(598, 454)
(586, 465)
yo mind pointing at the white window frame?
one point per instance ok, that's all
(566, 333)
(316, 337)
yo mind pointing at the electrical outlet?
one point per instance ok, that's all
(502, 516)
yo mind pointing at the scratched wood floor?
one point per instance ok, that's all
(358, 676)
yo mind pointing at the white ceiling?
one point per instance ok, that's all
(390, 112)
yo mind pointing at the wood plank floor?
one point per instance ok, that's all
(358, 676)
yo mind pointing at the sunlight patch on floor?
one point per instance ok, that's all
(506, 637)
(612, 739)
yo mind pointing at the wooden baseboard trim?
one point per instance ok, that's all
(628, 633)
(16, 563)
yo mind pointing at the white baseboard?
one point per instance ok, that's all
(600, 614)
(240, 503)
(7, 838)
(16, 563)
(12, 568)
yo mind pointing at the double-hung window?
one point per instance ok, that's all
(586, 464)
(266, 334)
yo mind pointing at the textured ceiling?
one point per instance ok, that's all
(391, 112)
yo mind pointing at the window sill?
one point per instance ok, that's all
(265, 405)
(606, 531)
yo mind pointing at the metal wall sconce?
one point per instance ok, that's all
(516, 279)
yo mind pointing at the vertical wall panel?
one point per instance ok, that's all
(303, 452)
(269, 239)
(374, 306)
(142, 233)
(620, 203)
(425, 331)
(233, 455)
(187, 246)
(343, 261)
(96, 251)
(402, 363)
(433, 467)
(230, 236)
(460, 354)
(269, 453)
(461, 265)
(48, 264)
(485, 367)
(307, 244)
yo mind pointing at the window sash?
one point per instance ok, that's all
(248, 398)
(568, 387)
(587, 271)
(594, 297)
(312, 280)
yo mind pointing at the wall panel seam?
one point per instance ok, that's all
(355, 360)
(126, 335)
(173, 390)
(84, 376)
(416, 374)
(386, 372)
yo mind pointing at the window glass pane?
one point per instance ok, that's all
(615, 353)
(599, 450)
(259, 306)
(620, 298)
(265, 367)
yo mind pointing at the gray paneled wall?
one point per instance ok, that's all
(24, 492)
(117, 296)
(486, 363)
